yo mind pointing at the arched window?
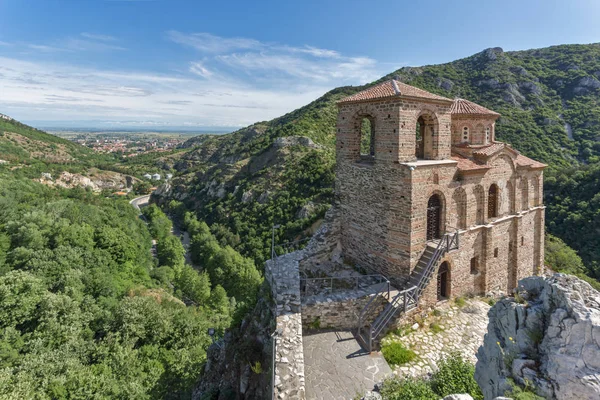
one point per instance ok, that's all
(367, 139)
(426, 146)
(488, 135)
(420, 133)
(465, 134)
(493, 201)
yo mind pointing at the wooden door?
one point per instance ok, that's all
(434, 212)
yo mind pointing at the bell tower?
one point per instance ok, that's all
(382, 133)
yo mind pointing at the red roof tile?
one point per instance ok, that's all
(489, 149)
(462, 106)
(466, 164)
(391, 88)
(523, 161)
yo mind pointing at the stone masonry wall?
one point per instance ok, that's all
(338, 310)
(283, 274)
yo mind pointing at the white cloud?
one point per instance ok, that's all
(273, 63)
(83, 42)
(66, 92)
(199, 69)
(208, 43)
(235, 82)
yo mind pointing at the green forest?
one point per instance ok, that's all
(88, 313)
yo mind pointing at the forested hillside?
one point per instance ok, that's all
(88, 313)
(265, 174)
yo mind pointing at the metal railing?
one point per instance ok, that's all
(408, 298)
(332, 284)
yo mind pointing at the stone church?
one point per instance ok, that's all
(414, 169)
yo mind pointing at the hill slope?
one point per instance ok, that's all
(21, 143)
(246, 181)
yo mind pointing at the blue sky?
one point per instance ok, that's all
(213, 64)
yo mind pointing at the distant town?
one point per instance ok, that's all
(128, 144)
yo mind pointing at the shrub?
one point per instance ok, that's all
(396, 354)
(455, 375)
(407, 389)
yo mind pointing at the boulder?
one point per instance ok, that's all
(458, 397)
(547, 338)
(371, 396)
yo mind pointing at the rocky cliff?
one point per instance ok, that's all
(546, 339)
(238, 366)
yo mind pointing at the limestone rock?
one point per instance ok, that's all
(458, 397)
(287, 141)
(444, 83)
(550, 339)
(264, 197)
(586, 85)
(306, 210)
(372, 396)
(492, 53)
(247, 196)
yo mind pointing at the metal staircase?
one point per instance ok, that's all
(406, 299)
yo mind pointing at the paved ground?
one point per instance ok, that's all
(463, 331)
(336, 367)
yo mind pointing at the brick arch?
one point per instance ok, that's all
(357, 118)
(427, 148)
(494, 202)
(507, 158)
(445, 266)
(443, 209)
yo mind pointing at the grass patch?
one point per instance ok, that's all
(460, 301)
(518, 393)
(396, 354)
(435, 328)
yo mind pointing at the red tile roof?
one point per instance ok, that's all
(462, 106)
(489, 149)
(466, 164)
(523, 161)
(391, 88)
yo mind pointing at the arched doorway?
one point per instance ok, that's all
(434, 214)
(443, 282)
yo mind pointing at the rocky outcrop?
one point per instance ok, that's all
(546, 338)
(238, 366)
(287, 141)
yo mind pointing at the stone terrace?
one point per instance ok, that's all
(463, 331)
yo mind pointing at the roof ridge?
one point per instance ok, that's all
(395, 86)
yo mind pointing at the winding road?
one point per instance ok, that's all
(141, 201)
